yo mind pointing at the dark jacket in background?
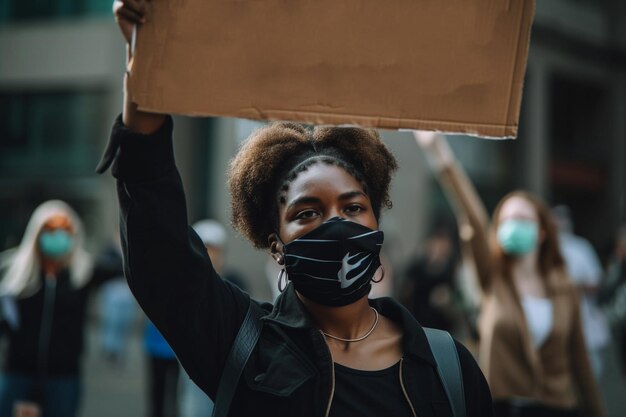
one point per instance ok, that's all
(28, 351)
(422, 280)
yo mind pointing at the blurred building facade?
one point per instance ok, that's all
(571, 147)
(573, 125)
(61, 70)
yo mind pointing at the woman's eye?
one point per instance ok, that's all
(306, 214)
(354, 209)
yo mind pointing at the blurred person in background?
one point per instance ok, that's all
(612, 295)
(585, 270)
(532, 347)
(428, 288)
(213, 235)
(117, 308)
(44, 288)
(194, 402)
(163, 371)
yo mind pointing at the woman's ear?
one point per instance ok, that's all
(276, 248)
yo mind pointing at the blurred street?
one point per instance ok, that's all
(112, 391)
(613, 384)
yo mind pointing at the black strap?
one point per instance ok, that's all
(449, 368)
(239, 354)
(441, 344)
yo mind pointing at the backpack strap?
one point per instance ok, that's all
(449, 368)
(240, 352)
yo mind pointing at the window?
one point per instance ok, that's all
(16, 10)
(51, 133)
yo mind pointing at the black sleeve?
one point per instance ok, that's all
(165, 262)
(478, 402)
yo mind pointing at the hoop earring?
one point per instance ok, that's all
(376, 281)
(282, 275)
(278, 257)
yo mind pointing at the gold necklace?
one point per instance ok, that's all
(358, 339)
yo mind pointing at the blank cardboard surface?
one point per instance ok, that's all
(448, 65)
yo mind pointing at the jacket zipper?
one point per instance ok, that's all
(332, 372)
(46, 321)
(404, 389)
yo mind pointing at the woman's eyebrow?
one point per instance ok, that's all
(303, 200)
(351, 194)
(315, 200)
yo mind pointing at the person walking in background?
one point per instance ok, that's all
(117, 309)
(213, 235)
(532, 347)
(612, 296)
(163, 371)
(44, 288)
(428, 288)
(585, 270)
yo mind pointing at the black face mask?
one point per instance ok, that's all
(334, 263)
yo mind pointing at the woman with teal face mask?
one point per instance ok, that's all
(55, 244)
(532, 349)
(44, 285)
(518, 237)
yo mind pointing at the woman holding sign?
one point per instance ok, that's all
(531, 342)
(313, 199)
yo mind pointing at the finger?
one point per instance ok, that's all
(425, 137)
(137, 6)
(130, 15)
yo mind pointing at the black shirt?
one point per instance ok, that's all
(369, 393)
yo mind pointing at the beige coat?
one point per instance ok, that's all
(556, 374)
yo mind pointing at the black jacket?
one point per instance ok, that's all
(61, 318)
(290, 372)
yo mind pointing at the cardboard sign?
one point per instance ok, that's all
(448, 65)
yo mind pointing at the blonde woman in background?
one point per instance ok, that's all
(44, 286)
(532, 348)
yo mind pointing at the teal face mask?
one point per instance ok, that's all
(518, 237)
(55, 244)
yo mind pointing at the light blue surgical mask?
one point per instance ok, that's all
(56, 244)
(518, 237)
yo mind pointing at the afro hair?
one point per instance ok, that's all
(274, 155)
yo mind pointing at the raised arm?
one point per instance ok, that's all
(166, 264)
(470, 212)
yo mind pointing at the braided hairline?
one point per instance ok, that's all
(304, 166)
